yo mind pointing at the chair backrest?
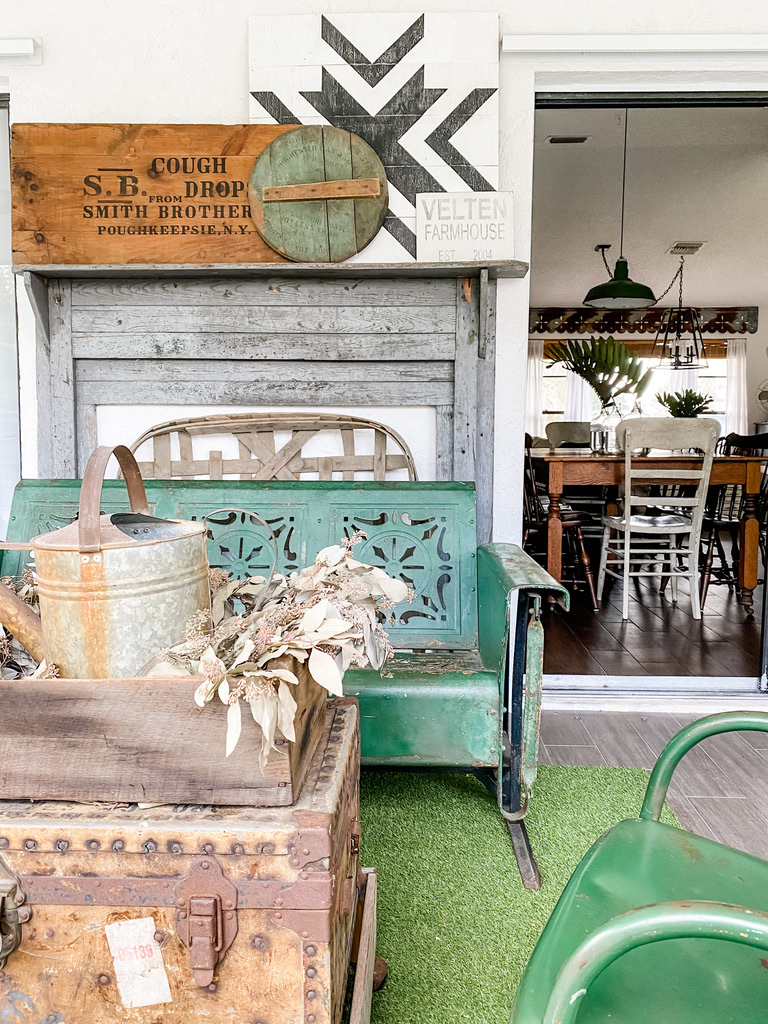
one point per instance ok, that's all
(533, 511)
(422, 533)
(571, 432)
(668, 434)
(273, 446)
(745, 444)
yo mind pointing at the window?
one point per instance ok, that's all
(711, 381)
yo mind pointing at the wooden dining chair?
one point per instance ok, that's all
(666, 544)
(535, 526)
(725, 507)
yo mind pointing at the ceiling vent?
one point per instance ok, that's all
(685, 248)
(567, 140)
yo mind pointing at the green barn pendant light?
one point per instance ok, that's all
(621, 292)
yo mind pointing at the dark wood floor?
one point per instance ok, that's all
(719, 790)
(659, 638)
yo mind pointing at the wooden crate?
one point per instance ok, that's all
(108, 892)
(136, 193)
(146, 740)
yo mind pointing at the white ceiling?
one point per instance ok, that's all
(696, 174)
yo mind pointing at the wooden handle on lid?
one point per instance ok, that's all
(89, 537)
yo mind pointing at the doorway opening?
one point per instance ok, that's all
(694, 178)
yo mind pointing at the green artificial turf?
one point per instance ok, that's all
(454, 921)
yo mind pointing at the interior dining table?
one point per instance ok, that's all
(560, 468)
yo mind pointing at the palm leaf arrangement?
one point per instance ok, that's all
(605, 364)
(684, 404)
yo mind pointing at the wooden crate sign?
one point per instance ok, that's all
(98, 194)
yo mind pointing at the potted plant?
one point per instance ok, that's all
(684, 404)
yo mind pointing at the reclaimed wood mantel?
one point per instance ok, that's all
(336, 335)
(495, 269)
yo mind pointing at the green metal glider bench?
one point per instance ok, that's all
(656, 925)
(458, 694)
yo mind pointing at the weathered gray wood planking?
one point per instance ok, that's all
(167, 345)
(254, 319)
(282, 291)
(276, 340)
(169, 371)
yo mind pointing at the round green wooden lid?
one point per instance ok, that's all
(318, 194)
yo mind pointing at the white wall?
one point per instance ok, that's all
(187, 61)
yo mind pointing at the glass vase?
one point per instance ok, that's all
(603, 429)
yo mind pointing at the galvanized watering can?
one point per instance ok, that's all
(116, 589)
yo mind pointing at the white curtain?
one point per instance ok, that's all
(736, 387)
(534, 387)
(578, 399)
(685, 380)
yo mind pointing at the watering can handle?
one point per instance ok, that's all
(88, 532)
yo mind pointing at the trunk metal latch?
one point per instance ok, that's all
(12, 913)
(206, 917)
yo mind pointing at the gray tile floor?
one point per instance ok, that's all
(720, 789)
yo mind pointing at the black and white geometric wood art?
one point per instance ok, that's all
(421, 90)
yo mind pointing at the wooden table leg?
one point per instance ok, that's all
(555, 523)
(749, 539)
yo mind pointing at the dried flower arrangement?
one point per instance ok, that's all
(325, 616)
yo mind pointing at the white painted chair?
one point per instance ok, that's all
(574, 432)
(665, 545)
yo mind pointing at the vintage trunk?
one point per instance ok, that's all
(175, 914)
(146, 740)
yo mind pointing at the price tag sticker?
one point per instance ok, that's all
(139, 968)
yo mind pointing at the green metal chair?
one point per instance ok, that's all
(656, 925)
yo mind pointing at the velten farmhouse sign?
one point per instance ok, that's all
(154, 194)
(464, 226)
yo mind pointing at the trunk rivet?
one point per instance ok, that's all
(279, 916)
(311, 1019)
(30, 845)
(279, 901)
(174, 847)
(62, 845)
(93, 844)
(311, 994)
(238, 848)
(150, 846)
(208, 848)
(205, 865)
(118, 846)
(213, 987)
(4, 844)
(259, 942)
(311, 972)
(159, 937)
(48, 933)
(311, 950)
(104, 979)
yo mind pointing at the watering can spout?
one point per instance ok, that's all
(21, 622)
